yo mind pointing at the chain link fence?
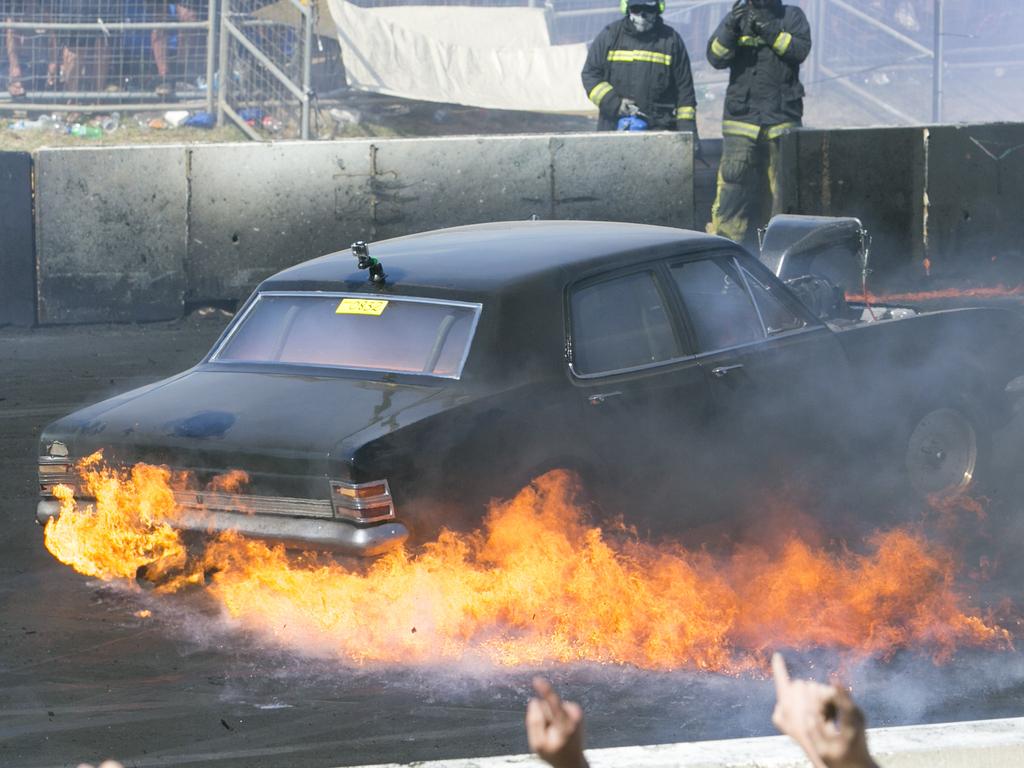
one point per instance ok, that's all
(251, 62)
(265, 64)
(241, 61)
(99, 55)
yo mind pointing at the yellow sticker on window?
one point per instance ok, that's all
(361, 307)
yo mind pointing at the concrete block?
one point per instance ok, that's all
(255, 209)
(975, 185)
(640, 177)
(428, 184)
(110, 234)
(17, 244)
(875, 174)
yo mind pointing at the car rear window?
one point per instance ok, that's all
(351, 331)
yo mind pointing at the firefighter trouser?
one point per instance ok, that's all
(748, 188)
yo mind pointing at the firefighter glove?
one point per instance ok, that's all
(734, 21)
(765, 24)
(628, 107)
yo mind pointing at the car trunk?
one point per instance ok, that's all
(286, 431)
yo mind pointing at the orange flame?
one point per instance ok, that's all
(125, 529)
(538, 584)
(989, 292)
(230, 482)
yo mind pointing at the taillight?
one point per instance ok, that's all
(362, 502)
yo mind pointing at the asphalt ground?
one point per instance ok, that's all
(82, 677)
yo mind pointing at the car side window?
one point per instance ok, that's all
(720, 309)
(621, 323)
(778, 318)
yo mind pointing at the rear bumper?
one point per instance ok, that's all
(301, 533)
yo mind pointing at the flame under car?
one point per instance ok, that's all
(651, 360)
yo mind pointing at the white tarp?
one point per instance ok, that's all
(497, 58)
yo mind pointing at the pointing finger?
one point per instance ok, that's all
(535, 725)
(780, 673)
(549, 702)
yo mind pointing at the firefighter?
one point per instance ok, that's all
(638, 67)
(762, 43)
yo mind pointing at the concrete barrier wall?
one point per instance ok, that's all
(948, 194)
(17, 262)
(110, 234)
(126, 234)
(978, 744)
(876, 175)
(256, 208)
(137, 233)
(975, 186)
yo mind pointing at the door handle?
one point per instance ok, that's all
(602, 398)
(724, 370)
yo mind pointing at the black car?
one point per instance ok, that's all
(368, 406)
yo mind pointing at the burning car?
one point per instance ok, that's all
(375, 399)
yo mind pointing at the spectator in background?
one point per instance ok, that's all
(85, 53)
(16, 41)
(822, 719)
(189, 40)
(158, 11)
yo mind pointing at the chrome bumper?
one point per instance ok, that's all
(299, 532)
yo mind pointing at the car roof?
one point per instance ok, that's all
(483, 258)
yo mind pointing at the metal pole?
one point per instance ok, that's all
(223, 76)
(211, 49)
(818, 41)
(307, 68)
(939, 55)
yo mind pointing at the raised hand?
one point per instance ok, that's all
(554, 728)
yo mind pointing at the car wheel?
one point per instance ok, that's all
(947, 451)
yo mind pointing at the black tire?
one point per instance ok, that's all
(947, 449)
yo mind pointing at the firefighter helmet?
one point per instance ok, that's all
(624, 5)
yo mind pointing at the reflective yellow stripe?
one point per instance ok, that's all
(720, 50)
(749, 41)
(777, 130)
(598, 92)
(736, 128)
(652, 57)
(781, 44)
(686, 113)
(753, 131)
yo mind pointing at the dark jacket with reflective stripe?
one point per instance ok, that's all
(764, 75)
(652, 69)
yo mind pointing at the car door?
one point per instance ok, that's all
(776, 373)
(640, 393)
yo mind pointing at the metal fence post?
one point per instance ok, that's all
(223, 77)
(818, 40)
(937, 62)
(211, 48)
(307, 66)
